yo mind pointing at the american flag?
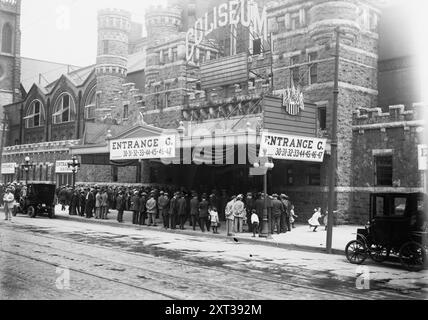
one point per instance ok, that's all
(293, 100)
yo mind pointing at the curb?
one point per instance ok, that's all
(255, 241)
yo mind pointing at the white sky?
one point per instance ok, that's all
(66, 30)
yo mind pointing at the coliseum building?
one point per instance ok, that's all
(230, 89)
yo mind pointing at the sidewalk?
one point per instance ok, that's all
(301, 238)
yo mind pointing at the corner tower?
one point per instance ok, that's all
(10, 52)
(114, 27)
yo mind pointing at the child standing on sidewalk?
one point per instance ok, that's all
(293, 217)
(214, 219)
(255, 222)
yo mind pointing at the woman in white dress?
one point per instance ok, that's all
(314, 221)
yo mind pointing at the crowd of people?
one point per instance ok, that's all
(174, 208)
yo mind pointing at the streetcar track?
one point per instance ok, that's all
(91, 274)
(258, 277)
(255, 275)
(148, 271)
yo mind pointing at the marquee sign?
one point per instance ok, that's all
(8, 168)
(294, 148)
(245, 12)
(143, 148)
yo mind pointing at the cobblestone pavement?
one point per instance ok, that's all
(105, 262)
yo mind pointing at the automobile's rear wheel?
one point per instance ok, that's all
(413, 256)
(356, 252)
(31, 212)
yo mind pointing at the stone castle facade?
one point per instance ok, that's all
(86, 106)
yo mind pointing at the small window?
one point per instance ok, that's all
(322, 118)
(126, 112)
(314, 175)
(295, 71)
(7, 38)
(313, 68)
(400, 206)
(383, 170)
(295, 22)
(289, 179)
(174, 54)
(257, 46)
(380, 206)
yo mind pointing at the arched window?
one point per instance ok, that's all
(7, 38)
(35, 116)
(65, 109)
(90, 105)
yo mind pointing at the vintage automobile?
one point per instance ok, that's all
(39, 199)
(397, 227)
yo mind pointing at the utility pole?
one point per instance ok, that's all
(333, 158)
(3, 137)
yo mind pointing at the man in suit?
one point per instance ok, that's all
(163, 204)
(173, 211)
(194, 210)
(182, 210)
(89, 204)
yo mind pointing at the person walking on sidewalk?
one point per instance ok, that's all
(293, 217)
(120, 206)
(82, 200)
(230, 217)
(151, 207)
(9, 203)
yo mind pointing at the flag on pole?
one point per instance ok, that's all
(293, 100)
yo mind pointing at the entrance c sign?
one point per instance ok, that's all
(294, 148)
(143, 148)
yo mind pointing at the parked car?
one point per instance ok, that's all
(398, 227)
(39, 199)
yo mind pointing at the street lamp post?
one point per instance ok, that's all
(74, 165)
(27, 166)
(268, 165)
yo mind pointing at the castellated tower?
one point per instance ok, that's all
(114, 27)
(357, 22)
(162, 22)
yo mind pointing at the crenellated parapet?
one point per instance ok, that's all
(397, 116)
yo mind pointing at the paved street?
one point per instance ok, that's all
(106, 262)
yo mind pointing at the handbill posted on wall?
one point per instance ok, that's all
(294, 148)
(8, 168)
(61, 167)
(143, 148)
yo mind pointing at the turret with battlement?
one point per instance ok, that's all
(114, 27)
(162, 22)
